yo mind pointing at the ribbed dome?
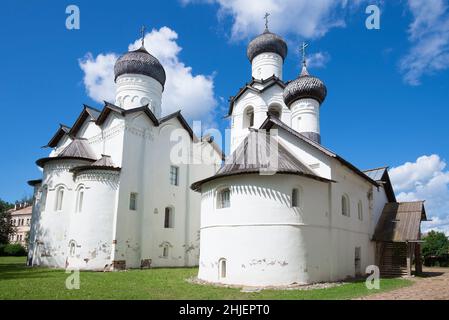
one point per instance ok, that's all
(305, 86)
(266, 42)
(140, 61)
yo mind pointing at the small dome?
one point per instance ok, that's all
(140, 61)
(266, 42)
(305, 86)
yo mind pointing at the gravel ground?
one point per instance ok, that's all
(432, 285)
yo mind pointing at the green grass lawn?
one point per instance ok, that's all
(20, 282)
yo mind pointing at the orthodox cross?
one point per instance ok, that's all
(142, 32)
(303, 52)
(266, 19)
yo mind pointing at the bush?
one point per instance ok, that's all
(16, 250)
(2, 249)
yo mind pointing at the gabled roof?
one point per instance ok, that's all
(100, 116)
(252, 156)
(400, 222)
(182, 120)
(107, 109)
(271, 121)
(380, 175)
(271, 81)
(86, 113)
(62, 131)
(77, 149)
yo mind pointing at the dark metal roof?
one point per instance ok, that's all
(376, 174)
(305, 86)
(87, 113)
(34, 182)
(252, 156)
(107, 109)
(269, 82)
(62, 131)
(271, 121)
(266, 42)
(104, 163)
(400, 222)
(381, 176)
(77, 149)
(140, 61)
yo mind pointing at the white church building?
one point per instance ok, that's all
(282, 209)
(110, 197)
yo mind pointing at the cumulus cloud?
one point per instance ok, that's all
(425, 179)
(99, 76)
(308, 19)
(318, 59)
(429, 35)
(193, 94)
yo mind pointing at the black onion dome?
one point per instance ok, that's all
(140, 61)
(266, 42)
(305, 86)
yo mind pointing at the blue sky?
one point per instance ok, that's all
(387, 89)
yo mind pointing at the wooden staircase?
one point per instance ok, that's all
(394, 260)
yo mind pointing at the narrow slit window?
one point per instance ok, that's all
(174, 175)
(133, 201)
(168, 218)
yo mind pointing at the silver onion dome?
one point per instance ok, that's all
(140, 61)
(305, 86)
(266, 42)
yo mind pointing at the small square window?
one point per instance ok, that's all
(174, 175)
(133, 201)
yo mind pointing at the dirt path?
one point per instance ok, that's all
(433, 285)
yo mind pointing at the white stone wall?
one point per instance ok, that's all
(260, 103)
(140, 234)
(267, 64)
(263, 239)
(135, 90)
(306, 115)
(266, 242)
(91, 229)
(51, 229)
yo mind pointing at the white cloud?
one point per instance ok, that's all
(99, 76)
(429, 35)
(318, 59)
(425, 179)
(308, 19)
(193, 94)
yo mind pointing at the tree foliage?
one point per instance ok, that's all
(436, 244)
(6, 228)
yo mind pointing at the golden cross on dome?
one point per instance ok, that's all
(142, 33)
(266, 19)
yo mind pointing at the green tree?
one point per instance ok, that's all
(436, 244)
(6, 228)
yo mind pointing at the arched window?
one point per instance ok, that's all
(248, 117)
(360, 210)
(79, 199)
(275, 111)
(165, 250)
(169, 218)
(345, 205)
(222, 268)
(59, 198)
(44, 197)
(72, 248)
(223, 198)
